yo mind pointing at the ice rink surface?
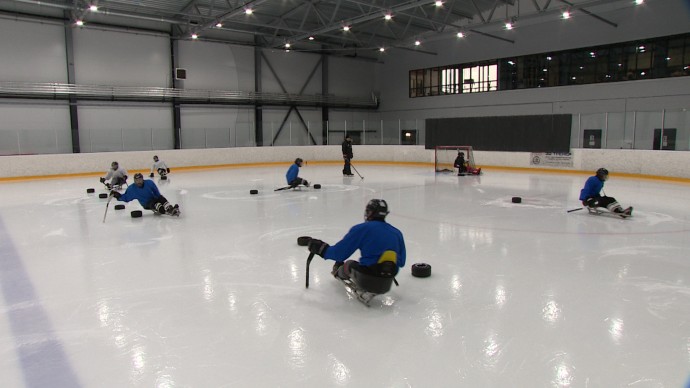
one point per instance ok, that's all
(521, 295)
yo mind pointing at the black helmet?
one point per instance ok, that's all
(114, 165)
(298, 160)
(377, 209)
(155, 158)
(138, 176)
(602, 174)
(461, 153)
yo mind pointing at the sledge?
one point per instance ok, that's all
(365, 287)
(601, 212)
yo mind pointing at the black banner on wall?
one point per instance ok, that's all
(542, 133)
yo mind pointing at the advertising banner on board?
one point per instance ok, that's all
(551, 159)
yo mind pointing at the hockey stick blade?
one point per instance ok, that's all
(574, 210)
(106, 207)
(311, 256)
(360, 175)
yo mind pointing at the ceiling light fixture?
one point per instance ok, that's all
(417, 43)
(566, 15)
(382, 49)
(509, 26)
(311, 38)
(93, 8)
(388, 16)
(219, 25)
(460, 34)
(195, 36)
(346, 28)
(287, 45)
(438, 3)
(79, 22)
(638, 2)
(248, 11)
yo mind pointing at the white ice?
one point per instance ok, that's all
(521, 295)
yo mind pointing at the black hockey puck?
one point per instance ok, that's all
(90, 191)
(102, 195)
(421, 270)
(317, 186)
(163, 178)
(517, 200)
(136, 213)
(253, 191)
(303, 241)
(119, 207)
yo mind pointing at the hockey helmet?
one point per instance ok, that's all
(461, 153)
(603, 174)
(114, 165)
(139, 179)
(299, 161)
(155, 158)
(377, 209)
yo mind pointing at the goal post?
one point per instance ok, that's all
(444, 157)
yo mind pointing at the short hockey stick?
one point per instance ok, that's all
(283, 188)
(311, 256)
(360, 175)
(574, 210)
(110, 196)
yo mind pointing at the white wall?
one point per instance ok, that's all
(651, 163)
(32, 52)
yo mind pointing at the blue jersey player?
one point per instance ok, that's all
(591, 197)
(380, 244)
(146, 192)
(292, 175)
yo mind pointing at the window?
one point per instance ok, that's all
(651, 58)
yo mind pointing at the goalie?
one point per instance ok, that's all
(591, 197)
(464, 168)
(381, 245)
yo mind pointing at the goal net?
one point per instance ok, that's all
(445, 157)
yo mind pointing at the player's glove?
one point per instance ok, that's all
(318, 247)
(168, 170)
(115, 194)
(151, 175)
(102, 180)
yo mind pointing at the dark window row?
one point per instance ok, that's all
(644, 59)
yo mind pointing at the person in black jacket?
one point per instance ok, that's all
(347, 155)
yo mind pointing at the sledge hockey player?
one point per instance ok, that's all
(117, 176)
(160, 167)
(292, 175)
(460, 163)
(381, 245)
(347, 155)
(146, 192)
(591, 197)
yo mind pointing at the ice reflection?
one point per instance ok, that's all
(435, 325)
(297, 346)
(340, 372)
(232, 301)
(165, 381)
(208, 286)
(456, 285)
(616, 329)
(492, 351)
(138, 359)
(295, 272)
(564, 377)
(551, 312)
(500, 295)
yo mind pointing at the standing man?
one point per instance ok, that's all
(347, 155)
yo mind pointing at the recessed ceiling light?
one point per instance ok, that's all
(417, 43)
(382, 49)
(311, 38)
(388, 16)
(195, 36)
(248, 11)
(287, 45)
(93, 8)
(460, 34)
(346, 28)
(219, 25)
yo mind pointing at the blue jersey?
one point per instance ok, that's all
(372, 238)
(144, 194)
(592, 188)
(292, 173)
